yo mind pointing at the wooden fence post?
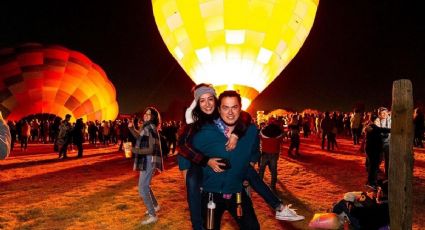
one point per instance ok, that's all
(401, 156)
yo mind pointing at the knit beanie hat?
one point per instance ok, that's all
(203, 90)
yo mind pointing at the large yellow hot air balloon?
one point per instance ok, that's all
(234, 44)
(55, 80)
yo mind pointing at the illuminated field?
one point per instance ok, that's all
(38, 191)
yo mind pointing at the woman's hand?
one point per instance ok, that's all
(232, 142)
(215, 165)
(130, 123)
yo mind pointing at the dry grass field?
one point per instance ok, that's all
(99, 191)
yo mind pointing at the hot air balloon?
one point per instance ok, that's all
(238, 44)
(52, 79)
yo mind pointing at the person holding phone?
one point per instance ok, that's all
(148, 158)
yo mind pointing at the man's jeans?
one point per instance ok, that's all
(145, 190)
(261, 188)
(269, 159)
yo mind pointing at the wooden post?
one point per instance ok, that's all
(401, 156)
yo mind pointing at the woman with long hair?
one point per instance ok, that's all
(148, 158)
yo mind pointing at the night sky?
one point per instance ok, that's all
(354, 52)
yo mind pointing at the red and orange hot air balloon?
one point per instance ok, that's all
(52, 79)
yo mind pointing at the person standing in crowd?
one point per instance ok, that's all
(384, 121)
(294, 129)
(172, 136)
(78, 136)
(64, 137)
(92, 129)
(318, 122)
(54, 130)
(106, 131)
(270, 142)
(25, 135)
(5, 138)
(418, 122)
(148, 158)
(12, 129)
(355, 123)
(306, 125)
(326, 127)
(374, 148)
(347, 125)
(334, 131)
(124, 133)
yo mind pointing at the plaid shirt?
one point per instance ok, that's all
(144, 137)
(186, 150)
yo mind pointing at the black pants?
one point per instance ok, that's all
(372, 166)
(248, 220)
(64, 149)
(269, 159)
(80, 149)
(356, 135)
(325, 136)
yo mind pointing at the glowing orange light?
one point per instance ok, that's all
(52, 79)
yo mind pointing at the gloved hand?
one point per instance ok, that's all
(188, 113)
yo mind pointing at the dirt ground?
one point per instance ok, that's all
(99, 191)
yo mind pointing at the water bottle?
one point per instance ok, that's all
(210, 214)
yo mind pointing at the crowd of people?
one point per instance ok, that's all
(63, 134)
(218, 146)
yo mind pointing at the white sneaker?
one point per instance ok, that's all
(151, 219)
(288, 214)
(157, 208)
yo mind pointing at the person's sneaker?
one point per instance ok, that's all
(288, 214)
(157, 208)
(151, 219)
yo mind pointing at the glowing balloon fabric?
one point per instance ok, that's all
(234, 44)
(53, 79)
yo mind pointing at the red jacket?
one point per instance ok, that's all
(270, 145)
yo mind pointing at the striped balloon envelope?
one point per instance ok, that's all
(52, 79)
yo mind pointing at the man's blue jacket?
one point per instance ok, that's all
(211, 141)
